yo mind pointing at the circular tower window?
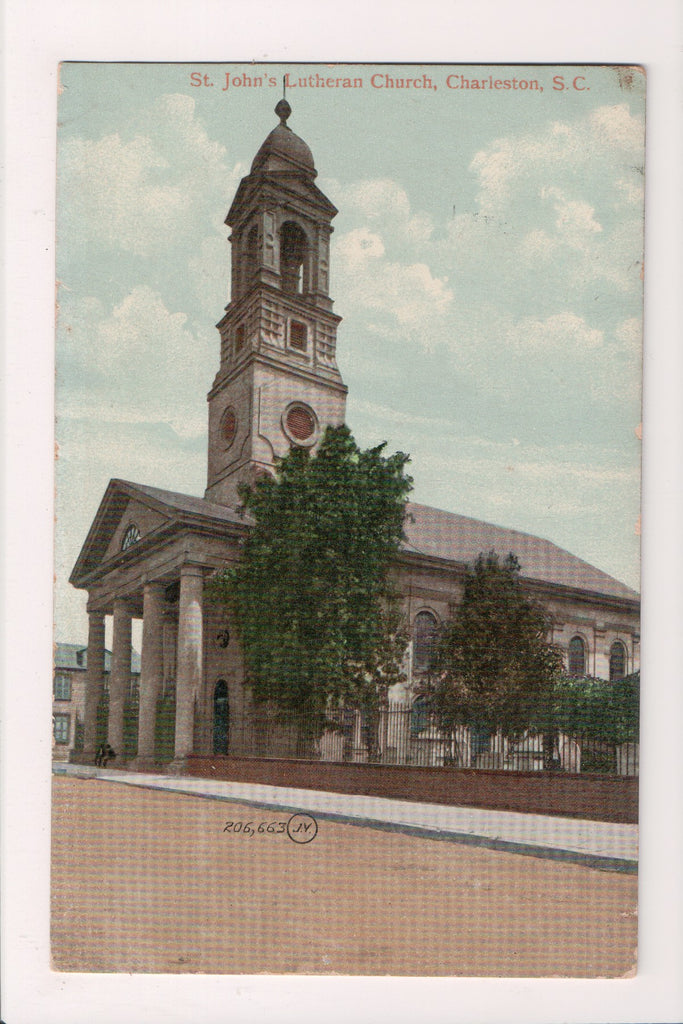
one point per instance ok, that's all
(300, 424)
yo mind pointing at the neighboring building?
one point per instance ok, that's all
(68, 695)
(149, 551)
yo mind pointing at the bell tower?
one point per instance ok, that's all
(278, 384)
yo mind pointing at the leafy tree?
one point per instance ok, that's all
(494, 666)
(597, 709)
(310, 595)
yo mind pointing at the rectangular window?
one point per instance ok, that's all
(239, 338)
(298, 335)
(62, 725)
(62, 688)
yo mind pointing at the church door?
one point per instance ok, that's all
(221, 718)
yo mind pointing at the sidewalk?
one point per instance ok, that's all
(604, 845)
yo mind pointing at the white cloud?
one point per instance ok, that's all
(629, 333)
(616, 126)
(555, 334)
(144, 190)
(109, 188)
(559, 150)
(408, 297)
(354, 251)
(135, 363)
(382, 200)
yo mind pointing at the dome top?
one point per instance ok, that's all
(282, 149)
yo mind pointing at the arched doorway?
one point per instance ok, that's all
(221, 718)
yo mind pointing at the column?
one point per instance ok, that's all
(151, 669)
(119, 680)
(94, 681)
(189, 659)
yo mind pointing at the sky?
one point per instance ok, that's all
(486, 260)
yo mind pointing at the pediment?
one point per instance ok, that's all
(124, 510)
(151, 515)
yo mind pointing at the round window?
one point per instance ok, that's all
(300, 424)
(229, 426)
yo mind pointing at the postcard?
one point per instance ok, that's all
(347, 613)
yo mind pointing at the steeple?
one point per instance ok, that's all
(278, 383)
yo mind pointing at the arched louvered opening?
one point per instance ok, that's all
(293, 246)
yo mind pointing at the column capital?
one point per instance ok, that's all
(153, 586)
(191, 569)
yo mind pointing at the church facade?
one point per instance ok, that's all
(149, 552)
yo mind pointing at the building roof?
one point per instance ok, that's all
(75, 656)
(174, 507)
(185, 503)
(429, 532)
(438, 534)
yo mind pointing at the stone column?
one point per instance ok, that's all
(151, 671)
(94, 682)
(189, 660)
(119, 680)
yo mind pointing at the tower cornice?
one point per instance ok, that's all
(329, 379)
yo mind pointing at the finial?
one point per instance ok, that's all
(283, 110)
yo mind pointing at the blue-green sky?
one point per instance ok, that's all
(487, 262)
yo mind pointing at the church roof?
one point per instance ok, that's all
(429, 532)
(187, 503)
(446, 535)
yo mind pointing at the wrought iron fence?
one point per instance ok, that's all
(406, 734)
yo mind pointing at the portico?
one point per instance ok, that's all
(160, 578)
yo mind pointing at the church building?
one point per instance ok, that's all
(149, 552)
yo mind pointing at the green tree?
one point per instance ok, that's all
(310, 596)
(494, 665)
(598, 709)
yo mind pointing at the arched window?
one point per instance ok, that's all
(424, 641)
(617, 661)
(292, 255)
(577, 657)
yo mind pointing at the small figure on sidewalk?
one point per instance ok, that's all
(104, 754)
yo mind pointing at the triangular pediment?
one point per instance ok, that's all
(126, 516)
(131, 517)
